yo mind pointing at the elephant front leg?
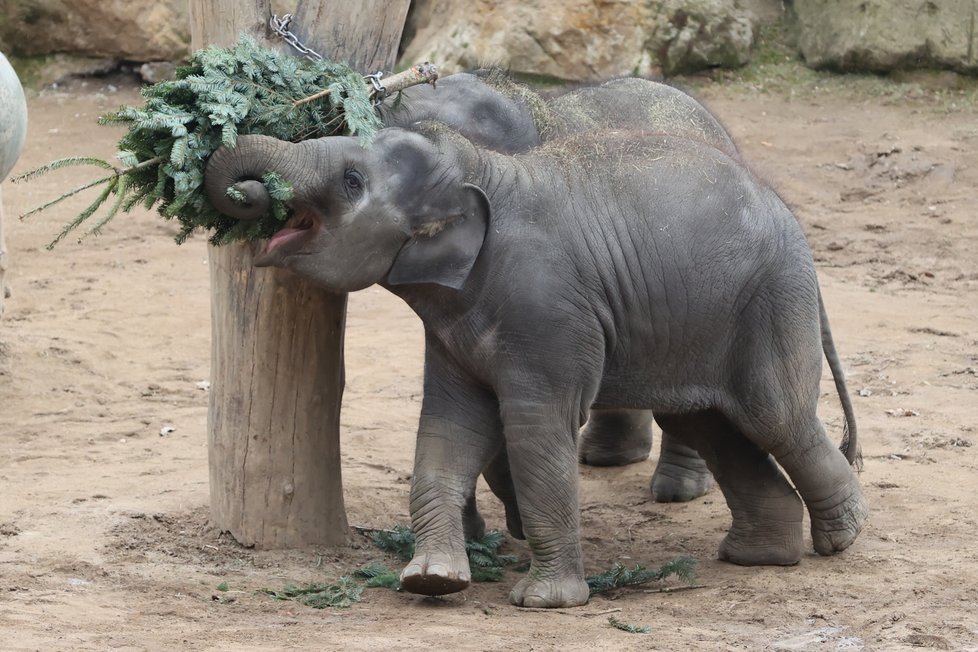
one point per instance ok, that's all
(458, 435)
(542, 454)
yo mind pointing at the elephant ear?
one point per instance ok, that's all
(445, 253)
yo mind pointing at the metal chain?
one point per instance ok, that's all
(281, 27)
(379, 92)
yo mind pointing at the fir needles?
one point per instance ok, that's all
(222, 93)
(620, 576)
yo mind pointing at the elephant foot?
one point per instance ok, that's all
(436, 574)
(679, 480)
(834, 529)
(681, 474)
(768, 521)
(783, 547)
(567, 591)
(615, 438)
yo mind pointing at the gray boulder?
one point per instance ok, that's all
(13, 125)
(886, 35)
(133, 30)
(13, 131)
(691, 36)
(580, 39)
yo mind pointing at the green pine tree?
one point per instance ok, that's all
(221, 94)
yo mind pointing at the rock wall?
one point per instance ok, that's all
(580, 39)
(565, 39)
(885, 35)
(691, 36)
(134, 30)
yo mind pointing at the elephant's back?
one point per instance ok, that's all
(13, 117)
(468, 103)
(633, 103)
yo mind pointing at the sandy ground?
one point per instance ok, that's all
(104, 543)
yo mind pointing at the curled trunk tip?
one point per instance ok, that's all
(233, 176)
(250, 198)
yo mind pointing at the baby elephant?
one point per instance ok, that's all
(619, 269)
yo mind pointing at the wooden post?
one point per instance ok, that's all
(363, 34)
(277, 340)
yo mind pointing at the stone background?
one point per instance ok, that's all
(562, 39)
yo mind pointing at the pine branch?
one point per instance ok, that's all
(222, 93)
(625, 627)
(68, 194)
(120, 194)
(619, 576)
(320, 596)
(398, 541)
(85, 214)
(486, 564)
(62, 163)
(117, 184)
(378, 575)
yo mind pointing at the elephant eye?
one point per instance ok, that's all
(354, 182)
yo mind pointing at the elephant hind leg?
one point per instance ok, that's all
(767, 513)
(500, 481)
(777, 410)
(680, 474)
(827, 484)
(473, 525)
(615, 437)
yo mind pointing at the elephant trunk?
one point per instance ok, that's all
(242, 168)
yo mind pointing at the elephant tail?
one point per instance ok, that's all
(850, 443)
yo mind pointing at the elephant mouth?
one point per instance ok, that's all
(293, 234)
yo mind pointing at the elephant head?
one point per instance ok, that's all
(396, 211)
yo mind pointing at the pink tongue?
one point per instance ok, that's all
(282, 236)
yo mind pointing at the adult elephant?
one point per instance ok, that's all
(620, 269)
(13, 131)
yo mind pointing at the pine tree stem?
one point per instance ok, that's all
(423, 73)
(676, 589)
(156, 160)
(312, 98)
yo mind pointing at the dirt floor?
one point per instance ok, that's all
(104, 543)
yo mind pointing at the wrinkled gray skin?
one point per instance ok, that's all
(615, 270)
(492, 111)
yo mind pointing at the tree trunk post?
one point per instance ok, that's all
(276, 339)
